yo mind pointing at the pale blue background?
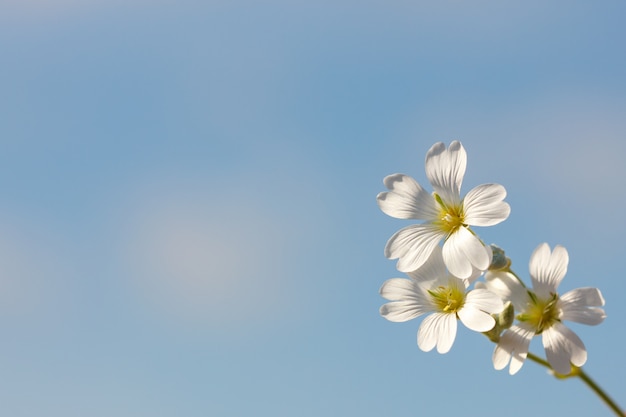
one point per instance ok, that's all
(188, 224)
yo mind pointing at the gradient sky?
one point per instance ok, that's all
(188, 223)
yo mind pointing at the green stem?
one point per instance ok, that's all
(578, 372)
(596, 388)
(510, 271)
(540, 361)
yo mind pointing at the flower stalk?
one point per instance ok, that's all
(580, 373)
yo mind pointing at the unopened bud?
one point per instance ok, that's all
(506, 316)
(494, 334)
(499, 259)
(504, 320)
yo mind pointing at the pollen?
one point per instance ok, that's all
(540, 313)
(448, 298)
(451, 217)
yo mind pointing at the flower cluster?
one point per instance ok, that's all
(542, 312)
(443, 258)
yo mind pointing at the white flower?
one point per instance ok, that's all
(432, 289)
(446, 216)
(542, 311)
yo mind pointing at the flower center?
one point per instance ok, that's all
(448, 298)
(450, 217)
(541, 314)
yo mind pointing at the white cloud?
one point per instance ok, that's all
(217, 259)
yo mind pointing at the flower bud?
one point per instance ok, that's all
(504, 320)
(499, 259)
(506, 316)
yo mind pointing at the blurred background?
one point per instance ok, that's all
(188, 223)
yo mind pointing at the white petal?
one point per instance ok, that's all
(433, 268)
(477, 273)
(406, 199)
(587, 296)
(400, 289)
(478, 254)
(455, 259)
(562, 347)
(427, 333)
(437, 329)
(413, 245)
(483, 300)
(507, 287)
(513, 347)
(401, 311)
(579, 306)
(445, 169)
(548, 269)
(462, 252)
(409, 300)
(483, 205)
(590, 315)
(476, 320)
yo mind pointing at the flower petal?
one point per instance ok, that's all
(454, 258)
(507, 287)
(406, 199)
(548, 269)
(579, 306)
(433, 268)
(483, 300)
(401, 311)
(408, 300)
(476, 320)
(437, 329)
(462, 252)
(483, 205)
(400, 289)
(562, 347)
(397, 289)
(445, 169)
(477, 273)
(587, 296)
(513, 347)
(413, 245)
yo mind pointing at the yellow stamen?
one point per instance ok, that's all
(450, 218)
(449, 298)
(541, 314)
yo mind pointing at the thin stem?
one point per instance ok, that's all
(540, 361)
(579, 372)
(510, 271)
(596, 388)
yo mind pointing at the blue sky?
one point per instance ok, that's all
(188, 223)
